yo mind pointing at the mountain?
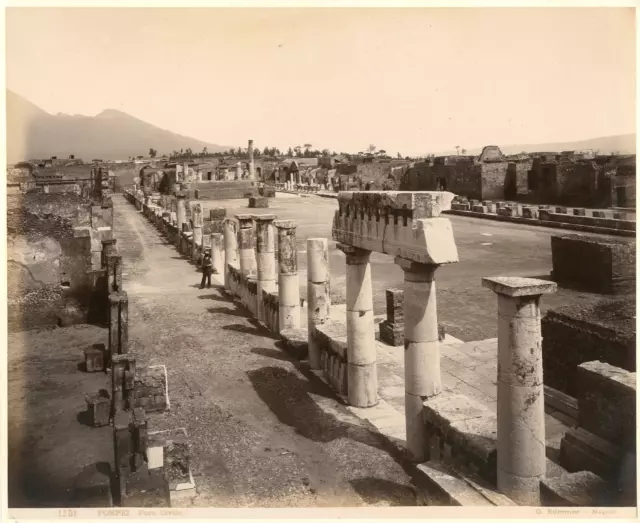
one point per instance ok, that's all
(111, 135)
(622, 143)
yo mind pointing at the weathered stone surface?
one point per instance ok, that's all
(582, 450)
(605, 265)
(438, 485)
(147, 489)
(514, 286)
(92, 487)
(295, 342)
(99, 408)
(258, 202)
(95, 358)
(391, 333)
(468, 427)
(575, 334)
(579, 489)
(607, 402)
(151, 389)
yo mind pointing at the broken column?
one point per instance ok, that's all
(521, 424)
(288, 284)
(361, 341)
(118, 323)
(246, 248)
(181, 213)
(265, 247)
(318, 295)
(230, 250)
(108, 248)
(196, 214)
(114, 273)
(421, 349)
(252, 165)
(218, 254)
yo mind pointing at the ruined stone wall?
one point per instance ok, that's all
(49, 267)
(222, 190)
(463, 178)
(576, 183)
(575, 334)
(605, 266)
(418, 178)
(494, 177)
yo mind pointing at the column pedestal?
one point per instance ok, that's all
(521, 424)
(362, 372)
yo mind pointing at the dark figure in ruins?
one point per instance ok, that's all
(207, 269)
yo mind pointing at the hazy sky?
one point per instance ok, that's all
(408, 80)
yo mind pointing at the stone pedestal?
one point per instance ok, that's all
(118, 323)
(521, 424)
(318, 295)
(196, 216)
(392, 329)
(246, 245)
(218, 254)
(108, 249)
(421, 349)
(230, 249)
(361, 342)
(266, 261)
(288, 284)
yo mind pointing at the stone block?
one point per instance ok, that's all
(438, 485)
(468, 427)
(99, 408)
(505, 211)
(543, 214)
(258, 202)
(151, 390)
(607, 402)
(578, 489)
(95, 358)
(392, 333)
(479, 208)
(598, 214)
(579, 212)
(218, 213)
(147, 489)
(582, 450)
(529, 212)
(607, 265)
(561, 210)
(395, 305)
(92, 487)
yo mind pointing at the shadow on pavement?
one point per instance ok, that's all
(270, 353)
(375, 490)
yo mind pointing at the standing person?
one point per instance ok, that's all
(207, 269)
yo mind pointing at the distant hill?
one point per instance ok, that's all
(111, 135)
(622, 143)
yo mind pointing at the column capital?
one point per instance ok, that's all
(351, 250)
(412, 266)
(285, 224)
(516, 287)
(245, 220)
(263, 217)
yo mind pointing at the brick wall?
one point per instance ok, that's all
(596, 265)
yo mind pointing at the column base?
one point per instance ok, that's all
(523, 491)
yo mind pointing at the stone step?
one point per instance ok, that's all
(437, 484)
(581, 450)
(560, 401)
(577, 489)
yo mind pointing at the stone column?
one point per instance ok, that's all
(288, 283)
(252, 165)
(421, 349)
(181, 212)
(118, 323)
(521, 424)
(266, 261)
(318, 295)
(239, 171)
(246, 245)
(218, 255)
(196, 215)
(361, 341)
(230, 250)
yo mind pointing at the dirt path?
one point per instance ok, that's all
(262, 433)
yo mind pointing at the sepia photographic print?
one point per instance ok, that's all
(367, 261)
